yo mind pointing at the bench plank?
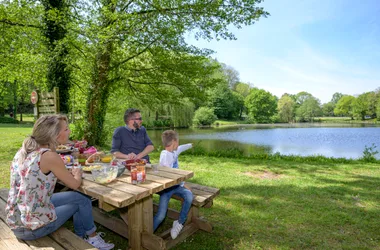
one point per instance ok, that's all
(60, 240)
(203, 195)
(69, 240)
(9, 241)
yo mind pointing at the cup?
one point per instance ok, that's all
(155, 167)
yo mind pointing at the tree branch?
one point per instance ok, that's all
(9, 22)
(139, 53)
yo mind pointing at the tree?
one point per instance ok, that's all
(328, 109)
(56, 14)
(364, 104)
(286, 108)
(344, 106)
(138, 47)
(204, 116)
(148, 38)
(224, 102)
(301, 97)
(336, 97)
(231, 75)
(309, 109)
(243, 89)
(261, 105)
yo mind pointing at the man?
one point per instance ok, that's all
(131, 141)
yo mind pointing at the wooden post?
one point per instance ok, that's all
(56, 99)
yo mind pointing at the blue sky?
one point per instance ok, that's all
(318, 46)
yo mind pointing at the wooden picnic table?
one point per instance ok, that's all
(135, 204)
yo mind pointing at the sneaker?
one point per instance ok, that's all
(177, 227)
(98, 242)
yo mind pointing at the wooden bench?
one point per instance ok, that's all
(60, 240)
(203, 197)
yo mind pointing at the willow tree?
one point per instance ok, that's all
(141, 45)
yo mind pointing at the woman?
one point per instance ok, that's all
(33, 210)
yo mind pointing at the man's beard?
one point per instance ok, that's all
(136, 125)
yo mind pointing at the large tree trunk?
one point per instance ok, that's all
(100, 86)
(97, 98)
(58, 74)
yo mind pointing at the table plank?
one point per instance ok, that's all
(152, 186)
(110, 195)
(188, 174)
(138, 192)
(178, 178)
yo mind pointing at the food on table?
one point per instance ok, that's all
(62, 147)
(106, 159)
(92, 167)
(105, 174)
(135, 162)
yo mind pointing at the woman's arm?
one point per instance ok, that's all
(51, 161)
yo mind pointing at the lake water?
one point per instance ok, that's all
(348, 141)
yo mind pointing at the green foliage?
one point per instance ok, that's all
(4, 119)
(286, 108)
(261, 105)
(243, 89)
(77, 130)
(239, 154)
(336, 97)
(226, 105)
(344, 106)
(328, 109)
(301, 97)
(364, 105)
(309, 109)
(204, 116)
(369, 153)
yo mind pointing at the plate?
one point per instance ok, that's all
(63, 151)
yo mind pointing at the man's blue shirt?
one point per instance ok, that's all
(126, 141)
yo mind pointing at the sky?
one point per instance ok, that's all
(318, 46)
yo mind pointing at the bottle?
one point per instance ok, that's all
(134, 175)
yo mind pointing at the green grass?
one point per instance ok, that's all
(270, 204)
(225, 122)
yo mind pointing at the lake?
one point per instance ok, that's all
(331, 140)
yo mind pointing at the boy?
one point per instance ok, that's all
(169, 158)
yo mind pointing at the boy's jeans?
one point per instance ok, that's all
(165, 195)
(66, 204)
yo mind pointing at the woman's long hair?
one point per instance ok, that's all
(45, 132)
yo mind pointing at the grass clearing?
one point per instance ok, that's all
(269, 204)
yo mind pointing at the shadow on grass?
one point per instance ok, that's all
(313, 207)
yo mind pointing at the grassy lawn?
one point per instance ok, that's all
(270, 204)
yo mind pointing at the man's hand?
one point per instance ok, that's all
(131, 156)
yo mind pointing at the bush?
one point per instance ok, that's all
(204, 116)
(8, 120)
(77, 130)
(369, 153)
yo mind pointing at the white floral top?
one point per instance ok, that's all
(29, 204)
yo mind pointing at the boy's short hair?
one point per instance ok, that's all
(168, 136)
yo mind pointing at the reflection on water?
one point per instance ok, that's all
(335, 140)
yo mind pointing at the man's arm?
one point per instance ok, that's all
(145, 152)
(120, 155)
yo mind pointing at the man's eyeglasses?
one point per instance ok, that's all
(138, 119)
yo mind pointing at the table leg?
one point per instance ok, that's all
(139, 217)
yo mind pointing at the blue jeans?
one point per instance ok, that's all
(67, 204)
(165, 195)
